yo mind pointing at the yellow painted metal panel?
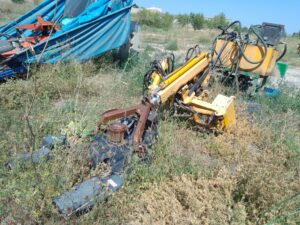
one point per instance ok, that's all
(184, 69)
(253, 52)
(189, 73)
(222, 107)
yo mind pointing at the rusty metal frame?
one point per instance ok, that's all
(142, 111)
(40, 25)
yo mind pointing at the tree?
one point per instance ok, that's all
(197, 21)
(155, 19)
(183, 19)
(218, 20)
(18, 1)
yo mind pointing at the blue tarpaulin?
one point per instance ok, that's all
(102, 26)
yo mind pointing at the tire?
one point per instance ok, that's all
(123, 52)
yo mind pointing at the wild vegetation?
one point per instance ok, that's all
(155, 19)
(10, 10)
(248, 175)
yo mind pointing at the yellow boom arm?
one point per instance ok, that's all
(180, 77)
(218, 114)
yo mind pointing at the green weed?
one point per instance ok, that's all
(172, 46)
(195, 177)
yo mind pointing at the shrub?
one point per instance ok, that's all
(155, 19)
(172, 46)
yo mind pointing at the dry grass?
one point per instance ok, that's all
(196, 178)
(192, 177)
(60, 94)
(185, 200)
(158, 41)
(10, 10)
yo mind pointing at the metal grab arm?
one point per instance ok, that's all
(141, 110)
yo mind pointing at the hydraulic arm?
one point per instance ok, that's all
(185, 88)
(120, 132)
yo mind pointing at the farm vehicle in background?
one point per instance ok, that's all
(63, 31)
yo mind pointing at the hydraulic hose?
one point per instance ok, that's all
(265, 49)
(171, 62)
(233, 23)
(194, 50)
(199, 82)
(241, 44)
(156, 66)
(219, 55)
(283, 52)
(213, 65)
(230, 35)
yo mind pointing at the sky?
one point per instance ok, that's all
(249, 12)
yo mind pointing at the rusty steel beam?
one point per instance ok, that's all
(117, 114)
(142, 111)
(40, 25)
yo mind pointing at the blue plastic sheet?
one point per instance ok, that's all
(104, 25)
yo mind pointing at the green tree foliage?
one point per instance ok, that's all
(183, 19)
(18, 1)
(155, 19)
(197, 21)
(218, 20)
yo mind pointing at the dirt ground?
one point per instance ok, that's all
(293, 76)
